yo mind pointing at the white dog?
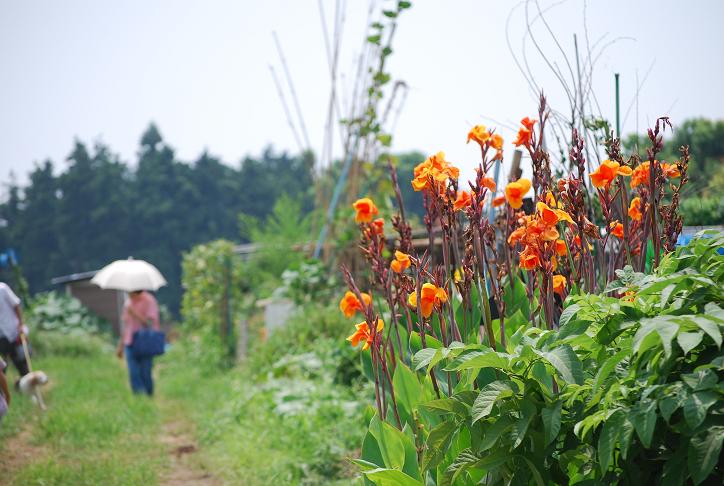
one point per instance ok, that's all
(30, 385)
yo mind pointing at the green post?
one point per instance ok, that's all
(618, 111)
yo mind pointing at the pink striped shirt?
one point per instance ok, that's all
(144, 306)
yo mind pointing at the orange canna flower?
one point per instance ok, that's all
(548, 215)
(488, 182)
(433, 173)
(431, 296)
(617, 229)
(498, 201)
(528, 123)
(362, 334)
(524, 137)
(670, 170)
(463, 200)
(561, 248)
(366, 209)
(559, 284)
(607, 172)
(378, 226)
(480, 134)
(401, 262)
(515, 191)
(634, 209)
(496, 141)
(350, 304)
(640, 175)
(528, 259)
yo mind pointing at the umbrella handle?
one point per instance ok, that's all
(25, 351)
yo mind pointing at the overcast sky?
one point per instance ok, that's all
(102, 70)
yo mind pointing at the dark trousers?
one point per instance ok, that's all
(139, 372)
(15, 353)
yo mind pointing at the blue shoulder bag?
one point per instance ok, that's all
(148, 342)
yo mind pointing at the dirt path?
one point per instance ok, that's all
(185, 467)
(18, 451)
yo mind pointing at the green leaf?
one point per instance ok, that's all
(462, 462)
(668, 404)
(516, 298)
(565, 361)
(450, 405)
(696, 406)
(385, 139)
(494, 432)
(489, 395)
(627, 430)
(607, 440)
(391, 477)
(390, 442)
(480, 359)
(535, 472)
(374, 39)
(608, 366)
(675, 473)
(568, 313)
(643, 418)
(551, 417)
(700, 380)
(422, 358)
(437, 443)
(704, 453)
(689, 340)
(709, 327)
(527, 412)
(389, 13)
(407, 388)
(403, 5)
(664, 328)
(492, 461)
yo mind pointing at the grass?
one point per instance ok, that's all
(292, 414)
(94, 431)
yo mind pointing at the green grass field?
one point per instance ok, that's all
(95, 432)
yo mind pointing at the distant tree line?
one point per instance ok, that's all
(97, 208)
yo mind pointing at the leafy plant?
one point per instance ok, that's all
(52, 311)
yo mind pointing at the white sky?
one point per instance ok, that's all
(199, 69)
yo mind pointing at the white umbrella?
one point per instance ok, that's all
(129, 275)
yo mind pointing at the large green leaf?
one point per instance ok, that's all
(480, 359)
(446, 405)
(696, 406)
(437, 443)
(493, 432)
(516, 297)
(491, 393)
(608, 366)
(390, 442)
(664, 328)
(391, 477)
(408, 390)
(675, 472)
(551, 417)
(704, 450)
(565, 361)
(607, 440)
(643, 418)
(423, 357)
(527, 412)
(689, 340)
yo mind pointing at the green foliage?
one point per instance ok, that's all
(627, 390)
(53, 311)
(311, 282)
(212, 301)
(698, 211)
(280, 241)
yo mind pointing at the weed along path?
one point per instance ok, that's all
(95, 432)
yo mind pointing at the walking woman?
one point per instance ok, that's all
(139, 311)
